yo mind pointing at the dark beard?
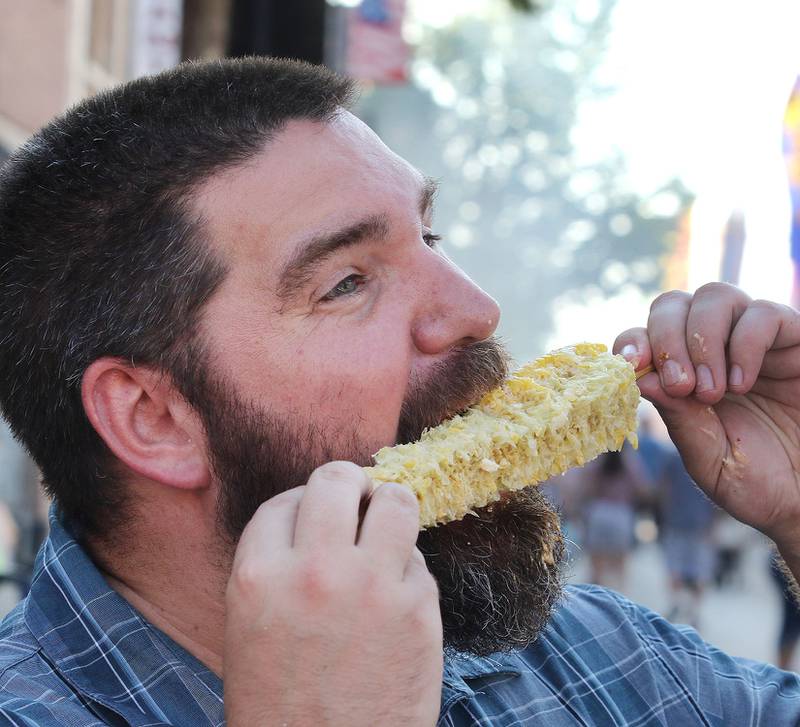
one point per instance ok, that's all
(498, 573)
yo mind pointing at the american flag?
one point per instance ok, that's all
(376, 50)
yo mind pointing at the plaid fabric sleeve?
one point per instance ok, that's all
(603, 661)
(735, 690)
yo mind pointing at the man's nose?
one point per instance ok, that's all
(454, 311)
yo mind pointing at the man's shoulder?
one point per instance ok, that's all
(612, 624)
(592, 604)
(17, 643)
(636, 659)
(31, 691)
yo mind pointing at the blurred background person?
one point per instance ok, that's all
(9, 579)
(565, 492)
(616, 484)
(687, 520)
(654, 443)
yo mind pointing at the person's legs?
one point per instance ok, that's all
(786, 654)
(609, 528)
(608, 569)
(597, 568)
(694, 590)
(790, 633)
(690, 561)
(617, 563)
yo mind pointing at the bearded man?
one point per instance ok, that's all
(220, 293)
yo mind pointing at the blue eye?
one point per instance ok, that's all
(347, 286)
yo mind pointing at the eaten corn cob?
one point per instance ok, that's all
(557, 412)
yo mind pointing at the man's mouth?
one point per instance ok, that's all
(452, 387)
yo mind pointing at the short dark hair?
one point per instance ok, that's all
(101, 255)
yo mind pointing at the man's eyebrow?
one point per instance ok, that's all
(299, 269)
(310, 254)
(429, 188)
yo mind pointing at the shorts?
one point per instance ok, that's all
(609, 527)
(690, 556)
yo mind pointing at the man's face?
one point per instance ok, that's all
(336, 300)
(342, 328)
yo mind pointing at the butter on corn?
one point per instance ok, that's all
(557, 412)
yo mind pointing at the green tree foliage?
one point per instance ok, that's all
(527, 6)
(491, 113)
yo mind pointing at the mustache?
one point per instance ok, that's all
(455, 384)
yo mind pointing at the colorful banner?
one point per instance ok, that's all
(791, 148)
(376, 50)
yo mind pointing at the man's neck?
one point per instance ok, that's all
(174, 575)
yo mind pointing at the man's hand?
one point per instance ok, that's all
(727, 385)
(329, 622)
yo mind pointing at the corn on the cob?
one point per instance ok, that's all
(557, 412)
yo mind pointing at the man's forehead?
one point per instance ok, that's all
(309, 175)
(343, 141)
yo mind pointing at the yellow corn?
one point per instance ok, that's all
(557, 412)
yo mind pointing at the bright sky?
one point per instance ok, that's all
(701, 87)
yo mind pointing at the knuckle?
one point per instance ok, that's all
(339, 471)
(717, 288)
(632, 335)
(375, 596)
(424, 618)
(670, 296)
(314, 581)
(429, 588)
(247, 578)
(767, 306)
(698, 346)
(400, 496)
(282, 500)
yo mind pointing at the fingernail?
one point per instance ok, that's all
(628, 351)
(736, 376)
(672, 373)
(705, 379)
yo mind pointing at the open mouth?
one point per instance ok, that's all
(452, 388)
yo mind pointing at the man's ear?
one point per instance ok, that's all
(145, 422)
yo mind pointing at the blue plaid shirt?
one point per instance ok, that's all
(76, 653)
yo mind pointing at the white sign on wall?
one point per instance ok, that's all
(155, 36)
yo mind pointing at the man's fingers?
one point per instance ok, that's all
(634, 345)
(329, 511)
(714, 310)
(271, 529)
(666, 329)
(417, 570)
(390, 528)
(763, 327)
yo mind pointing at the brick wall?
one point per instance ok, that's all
(33, 65)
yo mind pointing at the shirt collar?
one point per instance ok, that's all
(94, 637)
(98, 642)
(460, 669)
